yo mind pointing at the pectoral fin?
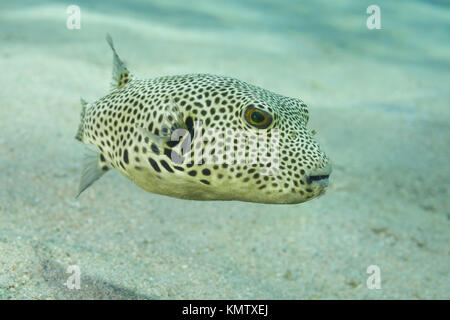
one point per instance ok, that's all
(172, 120)
(155, 141)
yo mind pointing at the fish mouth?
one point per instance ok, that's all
(310, 179)
(319, 178)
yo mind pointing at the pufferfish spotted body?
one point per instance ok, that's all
(132, 129)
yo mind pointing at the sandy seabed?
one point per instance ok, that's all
(379, 100)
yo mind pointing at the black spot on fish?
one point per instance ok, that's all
(154, 148)
(166, 166)
(125, 156)
(154, 165)
(192, 173)
(168, 152)
(190, 126)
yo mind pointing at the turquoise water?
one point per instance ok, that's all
(378, 100)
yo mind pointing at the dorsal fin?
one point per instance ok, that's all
(121, 76)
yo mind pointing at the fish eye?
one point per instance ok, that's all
(257, 118)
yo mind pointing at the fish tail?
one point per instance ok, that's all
(79, 135)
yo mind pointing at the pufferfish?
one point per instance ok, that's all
(147, 129)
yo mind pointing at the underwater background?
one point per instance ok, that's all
(378, 99)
